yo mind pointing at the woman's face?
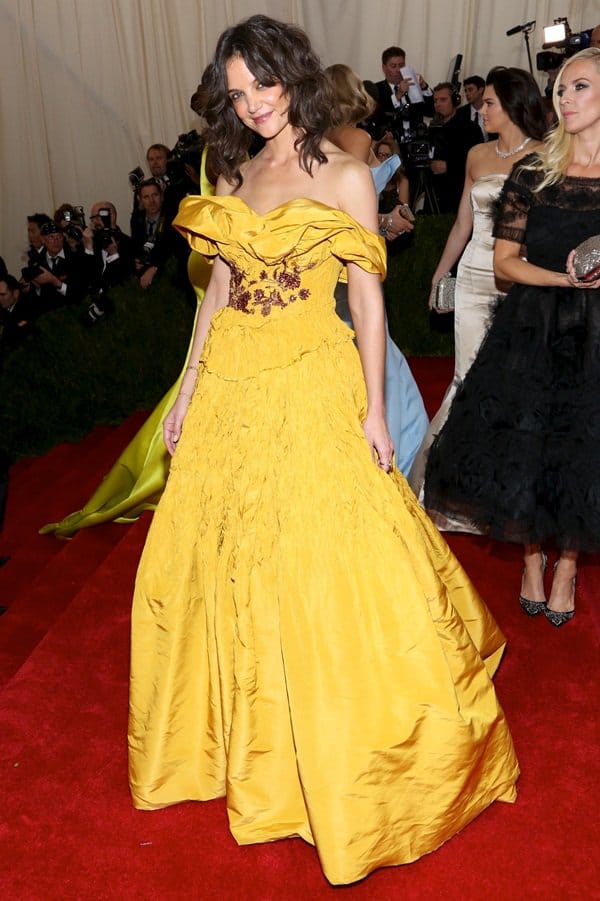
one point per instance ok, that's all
(495, 118)
(384, 152)
(263, 108)
(579, 96)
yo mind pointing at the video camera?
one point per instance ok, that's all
(186, 152)
(559, 44)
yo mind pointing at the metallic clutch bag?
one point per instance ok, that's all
(587, 259)
(443, 294)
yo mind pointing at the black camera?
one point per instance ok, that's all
(135, 177)
(106, 234)
(186, 152)
(28, 273)
(417, 148)
(75, 223)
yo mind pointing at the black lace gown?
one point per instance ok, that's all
(519, 455)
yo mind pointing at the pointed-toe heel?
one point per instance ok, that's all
(532, 608)
(560, 617)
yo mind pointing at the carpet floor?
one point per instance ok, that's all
(67, 828)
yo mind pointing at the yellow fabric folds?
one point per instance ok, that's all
(303, 640)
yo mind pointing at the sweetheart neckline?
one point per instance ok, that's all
(279, 206)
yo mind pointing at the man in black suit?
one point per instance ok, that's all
(16, 314)
(472, 111)
(64, 275)
(150, 234)
(397, 112)
(451, 139)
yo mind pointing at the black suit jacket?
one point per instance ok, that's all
(76, 270)
(390, 118)
(452, 142)
(16, 324)
(465, 114)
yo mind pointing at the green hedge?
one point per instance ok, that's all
(407, 292)
(69, 377)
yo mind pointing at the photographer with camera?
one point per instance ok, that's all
(404, 97)
(112, 254)
(451, 138)
(150, 235)
(62, 276)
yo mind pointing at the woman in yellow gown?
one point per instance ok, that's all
(303, 641)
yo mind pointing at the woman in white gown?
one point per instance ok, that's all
(513, 109)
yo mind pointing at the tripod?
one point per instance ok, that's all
(423, 188)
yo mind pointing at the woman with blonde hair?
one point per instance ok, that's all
(520, 452)
(407, 418)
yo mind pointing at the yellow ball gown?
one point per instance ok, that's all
(304, 643)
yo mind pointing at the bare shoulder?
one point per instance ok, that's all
(355, 141)
(479, 157)
(350, 187)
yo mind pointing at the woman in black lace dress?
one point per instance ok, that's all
(520, 452)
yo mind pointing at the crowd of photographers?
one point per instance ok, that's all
(74, 259)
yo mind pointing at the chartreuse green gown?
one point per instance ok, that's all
(304, 643)
(137, 479)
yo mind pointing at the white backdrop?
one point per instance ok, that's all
(87, 85)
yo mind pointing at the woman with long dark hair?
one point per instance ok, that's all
(512, 109)
(519, 454)
(303, 641)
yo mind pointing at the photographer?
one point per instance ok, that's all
(62, 276)
(150, 236)
(112, 254)
(16, 314)
(451, 139)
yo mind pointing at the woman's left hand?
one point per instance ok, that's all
(576, 282)
(380, 442)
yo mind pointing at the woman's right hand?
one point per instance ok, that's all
(173, 422)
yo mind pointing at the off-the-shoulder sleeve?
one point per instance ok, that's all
(198, 220)
(226, 226)
(513, 205)
(358, 245)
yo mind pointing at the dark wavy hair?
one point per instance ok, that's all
(520, 98)
(276, 53)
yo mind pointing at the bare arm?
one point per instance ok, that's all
(216, 297)
(460, 231)
(509, 265)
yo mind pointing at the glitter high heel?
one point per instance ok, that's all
(560, 617)
(532, 608)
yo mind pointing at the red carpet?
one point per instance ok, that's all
(67, 829)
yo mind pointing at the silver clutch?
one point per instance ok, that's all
(443, 294)
(586, 261)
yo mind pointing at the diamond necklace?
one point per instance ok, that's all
(504, 154)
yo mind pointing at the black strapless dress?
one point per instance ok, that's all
(519, 455)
